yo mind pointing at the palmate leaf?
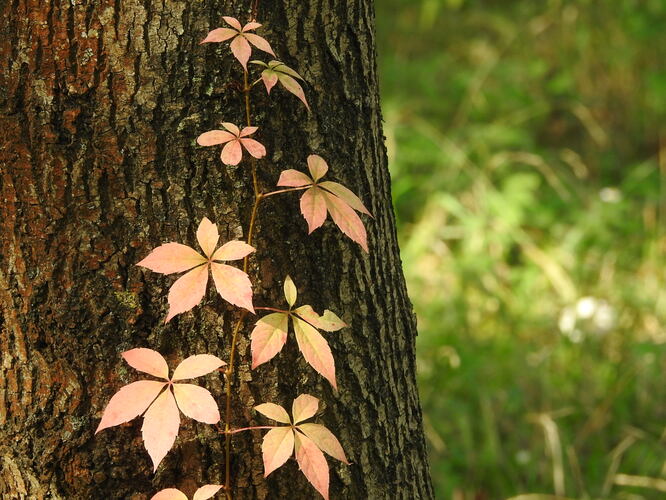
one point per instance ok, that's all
(203, 493)
(233, 138)
(241, 38)
(270, 334)
(307, 439)
(161, 402)
(327, 197)
(232, 284)
(276, 71)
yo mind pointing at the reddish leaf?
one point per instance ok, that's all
(309, 440)
(197, 403)
(317, 166)
(290, 292)
(277, 447)
(255, 148)
(241, 49)
(206, 492)
(147, 361)
(345, 195)
(347, 220)
(252, 25)
(161, 419)
(313, 463)
(129, 402)
(233, 128)
(196, 366)
(160, 427)
(325, 440)
(232, 154)
(268, 337)
(233, 250)
(215, 137)
(219, 35)
(315, 350)
(207, 236)
(273, 411)
(172, 258)
(313, 208)
(187, 291)
(169, 494)
(270, 78)
(304, 407)
(233, 22)
(259, 42)
(233, 285)
(294, 178)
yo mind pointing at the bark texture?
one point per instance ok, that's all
(100, 105)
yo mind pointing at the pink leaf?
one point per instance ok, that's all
(313, 208)
(291, 85)
(187, 291)
(129, 402)
(346, 195)
(252, 25)
(169, 494)
(248, 131)
(273, 411)
(277, 447)
(206, 492)
(268, 337)
(172, 258)
(233, 250)
(293, 178)
(328, 321)
(241, 50)
(304, 407)
(313, 463)
(315, 350)
(233, 22)
(233, 285)
(147, 361)
(232, 128)
(317, 166)
(232, 153)
(259, 42)
(207, 236)
(219, 35)
(255, 148)
(160, 427)
(197, 403)
(347, 220)
(290, 291)
(270, 78)
(197, 366)
(325, 440)
(214, 137)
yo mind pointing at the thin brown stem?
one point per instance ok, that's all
(234, 337)
(259, 427)
(272, 309)
(301, 188)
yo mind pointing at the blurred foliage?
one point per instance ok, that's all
(527, 144)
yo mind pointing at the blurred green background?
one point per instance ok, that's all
(527, 145)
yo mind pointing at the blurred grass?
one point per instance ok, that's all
(527, 144)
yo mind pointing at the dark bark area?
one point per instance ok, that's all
(100, 105)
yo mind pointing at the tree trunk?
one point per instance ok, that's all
(100, 105)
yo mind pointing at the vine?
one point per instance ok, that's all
(161, 402)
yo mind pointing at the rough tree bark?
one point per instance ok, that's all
(100, 105)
